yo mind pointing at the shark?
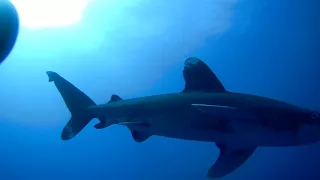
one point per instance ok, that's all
(9, 28)
(204, 110)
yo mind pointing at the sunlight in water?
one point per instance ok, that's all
(49, 13)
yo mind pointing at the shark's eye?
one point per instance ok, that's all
(315, 115)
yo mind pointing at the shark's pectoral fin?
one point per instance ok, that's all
(230, 159)
(139, 136)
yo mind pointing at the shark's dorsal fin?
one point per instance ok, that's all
(230, 159)
(199, 77)
(114, 98)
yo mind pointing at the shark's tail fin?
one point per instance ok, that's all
(77, 103)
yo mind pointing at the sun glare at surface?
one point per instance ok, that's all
(49, 13)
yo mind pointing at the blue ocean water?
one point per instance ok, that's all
(137, 48)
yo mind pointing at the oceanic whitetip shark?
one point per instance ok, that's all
(203, 111)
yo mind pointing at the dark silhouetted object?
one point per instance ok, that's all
(9, 27)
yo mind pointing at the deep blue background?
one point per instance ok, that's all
(271, 49)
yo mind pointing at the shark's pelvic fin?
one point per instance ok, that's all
(101, 125)
(139, 136)
(230, 159)
(199, 77)
(135, 127)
